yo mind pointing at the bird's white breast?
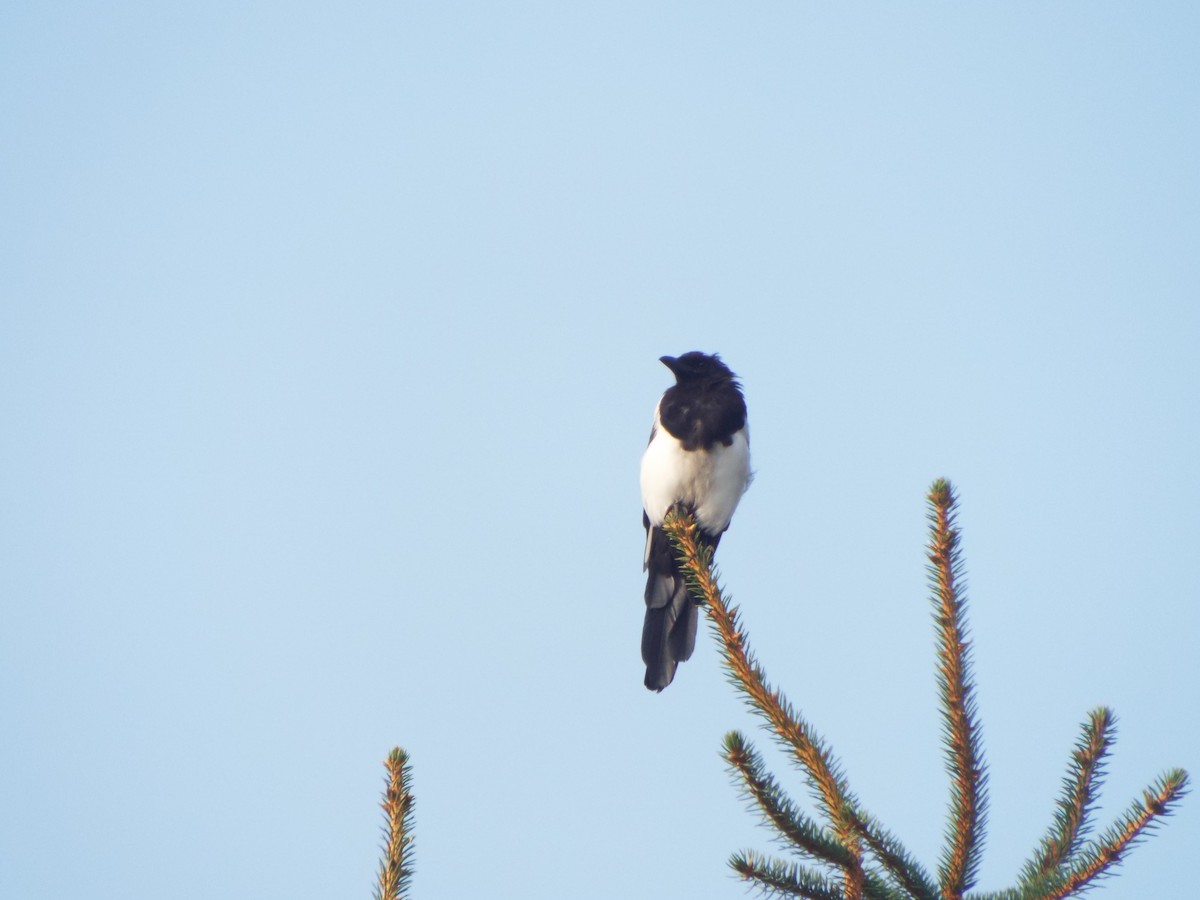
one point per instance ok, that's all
(712, 481)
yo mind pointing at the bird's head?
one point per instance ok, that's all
(697, 366)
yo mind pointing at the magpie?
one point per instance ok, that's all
(698, 461)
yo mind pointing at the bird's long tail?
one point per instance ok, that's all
(669, 633)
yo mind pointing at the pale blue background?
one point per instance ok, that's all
(328, 346)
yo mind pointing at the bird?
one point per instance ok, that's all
(697, 461)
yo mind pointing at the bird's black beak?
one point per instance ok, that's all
(669, 362)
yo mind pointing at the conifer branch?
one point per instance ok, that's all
(795, 829)
(907, 873)
(805, 837)
(396, 864)
(1157, 802)
(775, 878)
(1075, 806)
(964, 756)
(792, 731)
(1063, 865)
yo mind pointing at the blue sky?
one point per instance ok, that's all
(328, 350)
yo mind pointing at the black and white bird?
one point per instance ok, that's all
(698, 459)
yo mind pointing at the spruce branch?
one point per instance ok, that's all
(1157, 801)
(800, 834)
(796, 830)
(1080, 788)
(789, 728)
(1065, 863)
(775, 878)
(905, 871)
(960, 727)
(396, 864)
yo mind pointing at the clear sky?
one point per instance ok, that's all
(328, 351)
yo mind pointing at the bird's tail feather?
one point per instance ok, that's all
(669, 633)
